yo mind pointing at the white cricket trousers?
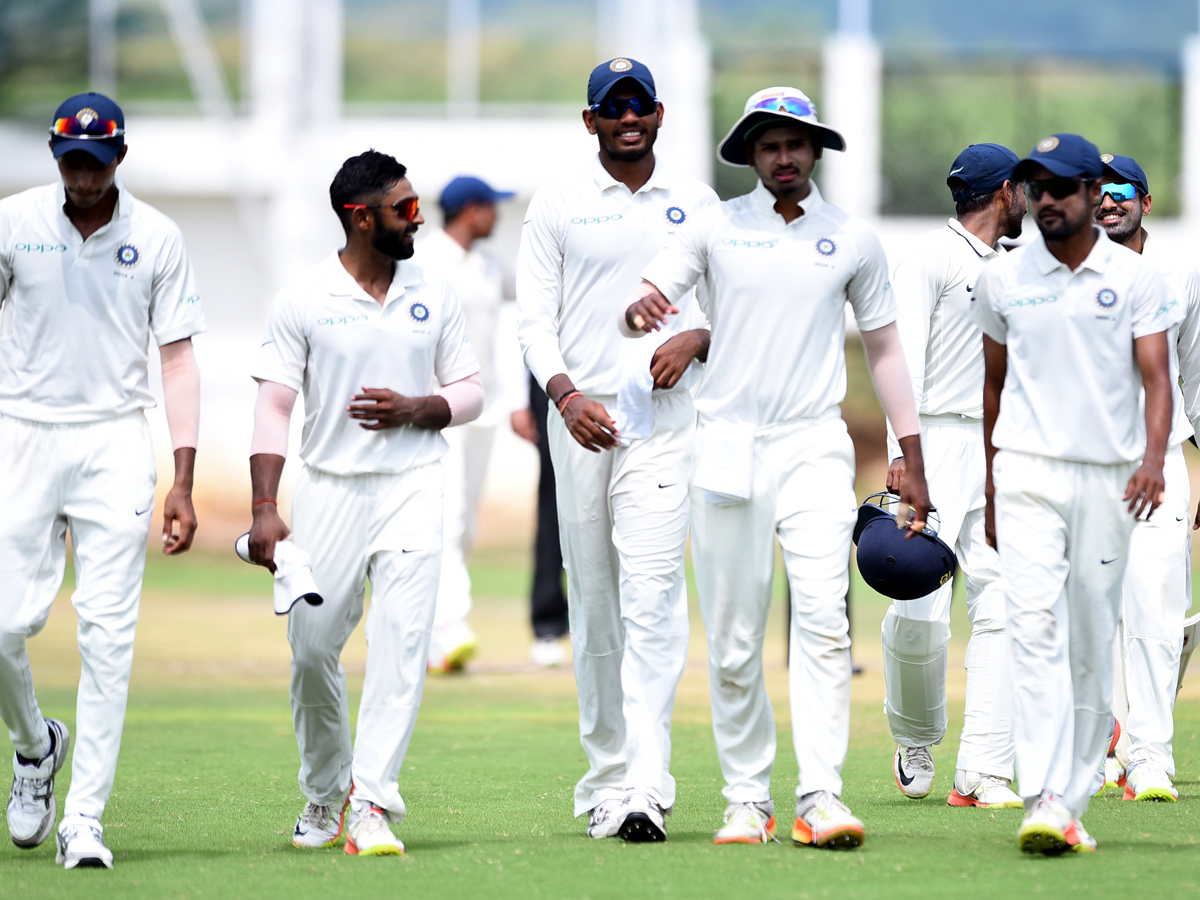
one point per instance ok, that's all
(464, 468)
(623, 520)
(1064, 536)
(98, 480)
(1154, 602)
(387, 528)
(916, 633)
(804, 494)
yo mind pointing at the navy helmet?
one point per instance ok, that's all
(899, 568)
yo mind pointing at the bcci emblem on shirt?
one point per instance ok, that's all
(1107, 298)
(127, 256)
(419, 312)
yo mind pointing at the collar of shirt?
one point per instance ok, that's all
(123, 208)
(659, 180)
(764, 201)
(342, 284)
(982, 249)
(1097, 260)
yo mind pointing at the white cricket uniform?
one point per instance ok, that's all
(1068, 437)
(76, 318)
(478, 282)
(1158, 580)
(367, 504)
(775, 295)
(944, 352)
(623, 514)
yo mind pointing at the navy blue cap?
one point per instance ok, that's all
(900, 568)
(1064, 155)
(468, 189)
(607, 74)
(86, 127)
(983, 168)
(1127, 168)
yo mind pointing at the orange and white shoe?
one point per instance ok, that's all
(1044, 828)
(1114, 773)
(987, 791)
(1146, 780)
(1078, 840)
(748, 823)
(368, 833)
(319, 826)
(823, 820)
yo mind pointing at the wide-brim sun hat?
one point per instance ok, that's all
(778, 104)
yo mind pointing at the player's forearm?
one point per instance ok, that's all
(185, 468)
(265, 472)
(1151, 352)
(432, 412)
(465, 399)
(995, 363)
(181, 393)
(892, 383)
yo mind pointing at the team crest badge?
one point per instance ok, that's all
(1107, 298)
(1045, 145)
(675, 215)
(620, 64)
(826, 247)
(1106, 158)
(419, 312)
(86, 117)
(127, 256)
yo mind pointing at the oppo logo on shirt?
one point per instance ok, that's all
(41, 248)
(1032, 301)
(340, 320)
(596, 220)
(748, 245)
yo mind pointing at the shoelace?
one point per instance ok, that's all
(71, 832)
(987, 783)
(825, 802)
(371, 817)
(317, 816)
(918, 758)
(751, 813)
(603, 811)
(32, 792)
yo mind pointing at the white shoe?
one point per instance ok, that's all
(451, 647)
(748, 823)
(1114, 773)
(913, 770)
(823, 820)
(604, 819)
(81, 843)
(642, 820)
(1147, 780)
(1044, 828)
(319, 826)
(31, 806)
(368, 833)
(547, 652)
(988, 791)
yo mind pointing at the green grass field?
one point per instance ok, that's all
(206, 790)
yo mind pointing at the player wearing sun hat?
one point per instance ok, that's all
(622, 502)
(1156, 592)
(88, 276)
(944, 352)
(775, 269)
(1069, 323)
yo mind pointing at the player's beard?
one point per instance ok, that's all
(1126, 226)
(1015, 217)
(392, 241)
(1066, 227)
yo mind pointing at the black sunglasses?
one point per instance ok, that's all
(1058, 188)
(611, 108)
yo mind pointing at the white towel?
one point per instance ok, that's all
(293, 575)
(635, 403)
(725, 462)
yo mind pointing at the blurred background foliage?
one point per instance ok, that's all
(955, 72)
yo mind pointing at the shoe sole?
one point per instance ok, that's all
(639, 828)
(1042, 839)
(89, 862)
(846, 838)
(457, 658)
(60, 757)
(377, 850)
(770, 829)
(1162, 795)
(332, 842)
(965, 800)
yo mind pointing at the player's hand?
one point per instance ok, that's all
(1196, 524)
(989, 519)
(178, 509)
(895, 475)
(650, 313)
(914, 493)
(672, 359)
(524, 424)
(379, 408)
(590, 424)
(268, 529)
(1146, 489)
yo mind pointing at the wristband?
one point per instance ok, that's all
(264, 500)
(567, 398)
(562, 396)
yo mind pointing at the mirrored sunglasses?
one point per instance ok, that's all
(1058, 188)
(95, 129)
(405, 209)
(797, 106)
(1119, 192)
(611, 108)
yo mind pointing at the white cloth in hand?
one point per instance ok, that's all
(293, 575)
(635, 403)
(725, 462)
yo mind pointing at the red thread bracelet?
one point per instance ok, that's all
(264, 500)
(563, 401)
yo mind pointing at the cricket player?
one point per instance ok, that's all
(944, 352)
(369, 337)
(776, 268)
(1071, 323)
(469, 214)
(622, 510)
(1157, 590)
(88, 276)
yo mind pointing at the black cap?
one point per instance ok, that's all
(982, 168)
(606, 75)
(1064, 155)
(90, 122)
(1127, 168)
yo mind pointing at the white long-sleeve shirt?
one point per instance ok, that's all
(584, 244)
